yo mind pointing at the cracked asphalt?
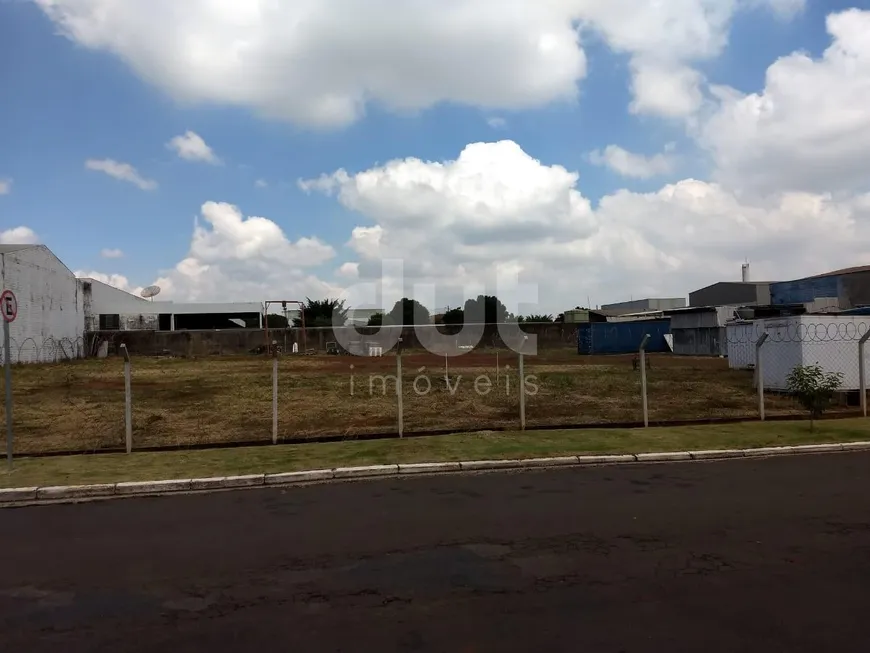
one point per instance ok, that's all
(744, 555)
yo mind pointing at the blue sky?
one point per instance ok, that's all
(64, 104)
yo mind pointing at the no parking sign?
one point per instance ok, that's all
(9, 311)
(8, 306)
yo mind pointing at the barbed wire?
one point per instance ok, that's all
(46, 350)
(786, 330)
(612, 337)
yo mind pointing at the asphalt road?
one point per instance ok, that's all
(747, 555)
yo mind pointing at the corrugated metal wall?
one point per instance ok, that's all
(731, 293)
(855, 289)
(622, 337)
(804, 291)
(702, 341)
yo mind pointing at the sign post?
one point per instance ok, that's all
(9, 311)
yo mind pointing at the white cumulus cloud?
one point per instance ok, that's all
(111, 253)
(233, 257)
(348, 271)
(665, 89)
(319, 62)
(191, 147)
(118, 281)
(122, 171)
(237, 258)
(5, 186)
(788, 189)
(19, 236)
(454, 223)
(630, 164)
(322, 62)
(809, 128)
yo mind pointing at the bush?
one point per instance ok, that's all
(813, 388)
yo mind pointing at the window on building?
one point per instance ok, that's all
(110, 322)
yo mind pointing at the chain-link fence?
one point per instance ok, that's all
(70, 404)
(352, 340)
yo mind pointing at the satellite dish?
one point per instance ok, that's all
(150, 291)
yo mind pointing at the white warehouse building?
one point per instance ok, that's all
(57, 311)
(50, 323)
(107, 308)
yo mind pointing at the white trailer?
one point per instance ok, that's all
(830, 341)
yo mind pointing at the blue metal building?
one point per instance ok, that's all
(622, 337)
(843, 289)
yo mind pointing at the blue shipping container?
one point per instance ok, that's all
(622, 337)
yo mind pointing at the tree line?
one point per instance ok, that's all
(483, 309)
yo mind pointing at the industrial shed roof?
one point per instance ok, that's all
(734, 283)
(14, 248)
(693, 309)
(836, 273)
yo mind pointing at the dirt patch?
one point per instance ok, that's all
(113, 384)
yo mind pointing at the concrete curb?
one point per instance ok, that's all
(287, 478)
(716, 454)
(75, 491)
(152, 487)
(662, 457)
(367, 471)
(606, 460)
(23, 496)
(18, 494)
(428, 468)
(770, 451)
(249, 480)
(855, 446)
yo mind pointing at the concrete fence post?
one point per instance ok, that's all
(522, 385)
(642, 355)
(274, 395)
(759, 373)
(128, 400)
(522, 394)
(862, 372)
(399, 407)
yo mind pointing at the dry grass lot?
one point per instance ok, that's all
(79, 406)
